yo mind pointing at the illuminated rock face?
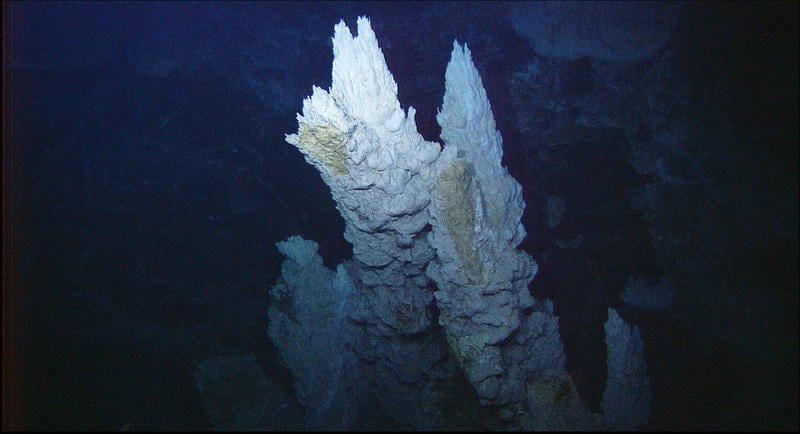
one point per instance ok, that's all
(427, 226)
(482, 278)
(433, 229)
(380, 171)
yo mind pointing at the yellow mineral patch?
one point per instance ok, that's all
(325, 143)
(455, 189)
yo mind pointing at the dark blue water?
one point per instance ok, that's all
(146, 180)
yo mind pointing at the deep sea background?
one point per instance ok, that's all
(146, 180)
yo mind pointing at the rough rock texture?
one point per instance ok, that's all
(427, 226)
(482, 279)
(626, 400)
(344, 370)
(380, 172)
(555, 405)
(379, 169)
(307, 317)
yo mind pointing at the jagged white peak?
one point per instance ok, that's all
(482, 279)
(626, 400)
(468, 125)
(379, 169)
(362, 83)
(362, 86)
(360, 139)
(466, 116)
(358, 127)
